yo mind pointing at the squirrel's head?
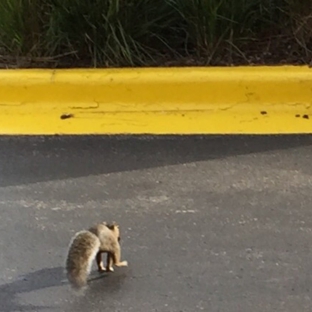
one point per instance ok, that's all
(115, 228)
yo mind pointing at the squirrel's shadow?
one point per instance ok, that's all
(100, 287)
(99, 293)
(37, 280)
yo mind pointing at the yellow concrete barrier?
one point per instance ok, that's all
(237, 100)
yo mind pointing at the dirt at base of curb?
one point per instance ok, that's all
(270, 52)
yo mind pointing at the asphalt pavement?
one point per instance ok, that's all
(207, 223)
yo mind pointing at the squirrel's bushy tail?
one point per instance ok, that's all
(82, 251)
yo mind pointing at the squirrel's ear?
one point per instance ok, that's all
(112, 225)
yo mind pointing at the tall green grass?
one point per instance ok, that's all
(110, 32)
(218, 28)
(148, 32)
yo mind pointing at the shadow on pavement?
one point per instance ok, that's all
(100, 295)
(37, 280)
(25, 160)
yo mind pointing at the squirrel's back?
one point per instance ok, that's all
(83, 249)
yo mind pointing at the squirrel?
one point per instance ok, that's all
(88, 245)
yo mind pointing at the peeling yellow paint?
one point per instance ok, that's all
(237, 100)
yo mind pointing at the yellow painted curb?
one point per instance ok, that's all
(237, 100)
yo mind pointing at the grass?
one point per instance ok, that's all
(114, 33)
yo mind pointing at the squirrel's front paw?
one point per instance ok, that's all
(123, 263)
